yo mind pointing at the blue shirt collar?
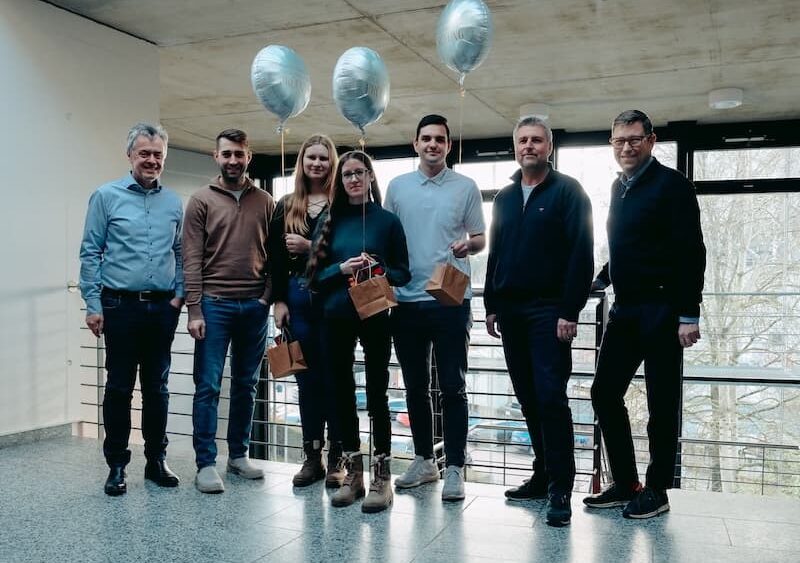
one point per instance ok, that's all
(629, 182)
(130, 183)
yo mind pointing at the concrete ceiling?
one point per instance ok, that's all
(587, 59)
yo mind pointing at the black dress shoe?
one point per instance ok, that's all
(115, 484)
(158, 472)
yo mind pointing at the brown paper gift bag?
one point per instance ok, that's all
(448, 284)
(372, 296)
(286, 357)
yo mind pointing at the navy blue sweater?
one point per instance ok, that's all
(385, 241)
(656, 250)
(543, 251)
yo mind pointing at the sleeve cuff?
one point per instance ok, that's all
(689, 320)
(94, 306)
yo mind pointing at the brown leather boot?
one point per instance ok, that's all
(353, 486)
(312, 470)
(380, 490)
(336, 467)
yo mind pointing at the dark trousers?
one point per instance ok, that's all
(339, 342)
(305, 324)
(540, 365)
(636, 333)
(419, 328)
(138, 334)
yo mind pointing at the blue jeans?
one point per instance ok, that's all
(305, 324)
(419, 328)
(242, 325)
(137, 334)
(539, 365)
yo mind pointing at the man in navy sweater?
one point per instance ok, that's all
(656, 264)
(537, 281)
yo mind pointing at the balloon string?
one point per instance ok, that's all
(461, 119)
(283, 161)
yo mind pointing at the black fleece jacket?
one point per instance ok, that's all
(543, 251)
(380, 233)
(656, 250)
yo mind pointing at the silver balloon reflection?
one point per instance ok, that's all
(361, 86)
(464, 35)
(280, 81)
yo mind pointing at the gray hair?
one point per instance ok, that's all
(631, 116)
(530, 120)
(143, 129)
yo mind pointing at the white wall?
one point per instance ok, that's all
(69, 91)
(187, 171)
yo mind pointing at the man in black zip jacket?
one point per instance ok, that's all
(656, 264)
(537, 281)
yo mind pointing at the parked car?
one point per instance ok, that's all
(397, 406)
(402, 418)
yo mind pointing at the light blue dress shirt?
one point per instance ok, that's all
(131, 241)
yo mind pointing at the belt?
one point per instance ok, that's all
(429, 304)
(147, 295)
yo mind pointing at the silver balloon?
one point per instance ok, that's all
(361, 86)
(464, 35)
(280, 81)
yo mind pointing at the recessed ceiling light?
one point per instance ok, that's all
(725, 98)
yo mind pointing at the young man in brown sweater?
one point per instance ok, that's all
(227, 294)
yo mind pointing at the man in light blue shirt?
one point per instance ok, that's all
(442, 216)
(132, 281)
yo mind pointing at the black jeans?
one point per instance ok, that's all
(540, 365)
(339, 344)
(419, 328)
(137, 334)
(635, 333)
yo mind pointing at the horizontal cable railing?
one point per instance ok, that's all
(499, 446)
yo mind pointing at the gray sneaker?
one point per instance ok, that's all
(453, 483)
(208, 480)
(243, 467)
(419, 472)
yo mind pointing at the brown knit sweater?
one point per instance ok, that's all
(225, 245)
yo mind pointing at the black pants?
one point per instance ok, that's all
(339, 342)
(137, 334)
(636, 333)
(540, 365)
(418, 329)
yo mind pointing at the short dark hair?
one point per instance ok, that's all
(631, 116)
(234, 136)
(432, 119)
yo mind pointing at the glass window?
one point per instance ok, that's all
(747, 164)
(282, 185)
(491, 175)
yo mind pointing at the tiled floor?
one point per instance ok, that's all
(52, 508)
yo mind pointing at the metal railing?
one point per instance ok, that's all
(498, 443)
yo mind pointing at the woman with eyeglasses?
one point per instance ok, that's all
(356, 225)
(295, 218)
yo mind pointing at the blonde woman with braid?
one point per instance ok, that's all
(296, 216)
(357, 224)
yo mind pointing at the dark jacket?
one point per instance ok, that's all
(656, 250)
(543, 252)
(282, 264)
(380, 234)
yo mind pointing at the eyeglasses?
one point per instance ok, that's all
(354, 175)
(635, 141)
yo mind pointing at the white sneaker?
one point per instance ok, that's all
(208, 480)
(453, 488)
(420, 471)
(243, 467)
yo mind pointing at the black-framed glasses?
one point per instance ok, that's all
(354, 174)
(634, 141)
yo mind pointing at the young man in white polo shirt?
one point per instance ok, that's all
(441, 215)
